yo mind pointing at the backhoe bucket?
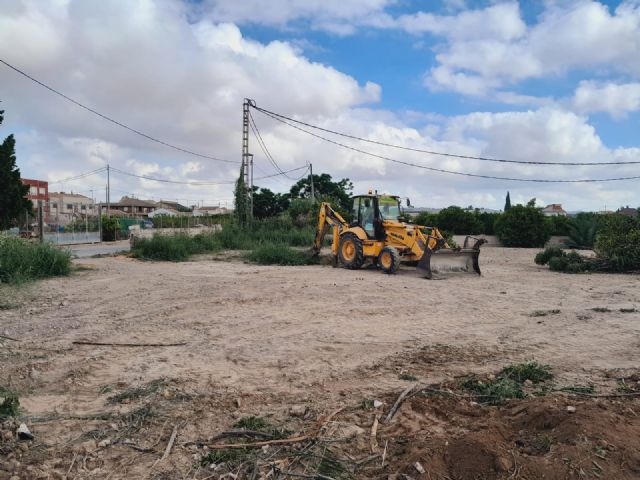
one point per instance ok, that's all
(449, 260)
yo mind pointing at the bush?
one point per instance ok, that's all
(558, 225)
(175, 248)
(110, 227)
(522, 226)
(21, 260)
(543, 258)
(618, 243)
(279, 254)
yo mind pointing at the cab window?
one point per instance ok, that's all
(367, 214)
(355, 210)
(389, 208)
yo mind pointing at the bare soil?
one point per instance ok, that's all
(291, 345)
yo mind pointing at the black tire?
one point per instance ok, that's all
(389, 260)
(350, 251)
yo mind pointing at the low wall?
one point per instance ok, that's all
(492, 241)
(150, 232)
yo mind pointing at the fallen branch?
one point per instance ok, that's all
(110, 344)
(167, 450)
(372, 437)
(399, 401)
(243, 433)
(279, 441)
(9, 338)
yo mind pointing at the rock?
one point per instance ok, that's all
(23, 446)
(87, 447)
(571, 409)
(528, 382)
(7, 436)
(298, 410)
(345, 432)
(64, 303)
(238, 403)
(15, 477)
(104, 443)
(24, 433)
(418, 466)
(377, 404)
(503, 464)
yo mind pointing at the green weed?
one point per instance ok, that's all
(628, 310)
(601, 309)
(407, 377)
(252, 423)
(280, 254)
(22, 261)
(10, 405)
(544, 313)
(233, 457)
(521, 372)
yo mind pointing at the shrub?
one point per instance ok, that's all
(21, 260)
(175, 248)
(618, 243)
(522, 226)
(279, 254)
(543, 258)
(558, 225)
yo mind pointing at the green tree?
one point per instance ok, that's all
(558, 225)
(13, 200)
(456, 220)
(241, 202)
(583, 230)
(267, 203)
(618, 243)
(507, 202)
(523, 226)
(339, 192)
(488, 220)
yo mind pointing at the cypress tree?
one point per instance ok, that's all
(13, 194)
(507, 202)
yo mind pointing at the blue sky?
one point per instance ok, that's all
(557, 80)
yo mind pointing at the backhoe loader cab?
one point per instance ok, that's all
(377, 233)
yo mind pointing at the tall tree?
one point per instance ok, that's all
(13, 194)
(507, 202)
(267, 203)
(325, 187)
(241, 201)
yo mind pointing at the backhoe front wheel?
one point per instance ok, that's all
(350, 251)
(389, 260)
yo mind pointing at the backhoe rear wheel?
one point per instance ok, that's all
(389, 260)
(350, 251)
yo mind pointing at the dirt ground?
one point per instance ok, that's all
(276, 350)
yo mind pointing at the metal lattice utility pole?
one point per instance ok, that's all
(247, 158)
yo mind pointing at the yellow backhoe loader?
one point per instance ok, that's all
(377, 233)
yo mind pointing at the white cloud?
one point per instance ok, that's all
(615, 99)
(184, 82)
(491, 48)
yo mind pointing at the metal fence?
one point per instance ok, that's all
(63, 221)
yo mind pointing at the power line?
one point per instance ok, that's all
(441, 170)
(120, 124)
(431, 152)
(263, 146)
(224, 182)
(79, 176)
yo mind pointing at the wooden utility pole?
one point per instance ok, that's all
(313, 190)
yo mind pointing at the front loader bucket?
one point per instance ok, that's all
(448, 260)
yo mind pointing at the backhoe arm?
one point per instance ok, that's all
(328, 217)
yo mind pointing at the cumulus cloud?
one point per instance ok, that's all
(490, 48)
(182, 79)
(615, 99)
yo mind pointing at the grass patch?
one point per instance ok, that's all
(137, 418)
(407, 377)
(176, 248)
(135, 393)
(533, 371)
(628, 310)
(280, 254)
(508, 383)
(601, 309)
(252, 423)
(579, 389)
(544, 313)
(10, 406)
(22, 261)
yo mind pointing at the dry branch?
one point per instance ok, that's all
(9, 338)
(110, 344)
(399, 401)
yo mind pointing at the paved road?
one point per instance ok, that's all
(105, 248)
